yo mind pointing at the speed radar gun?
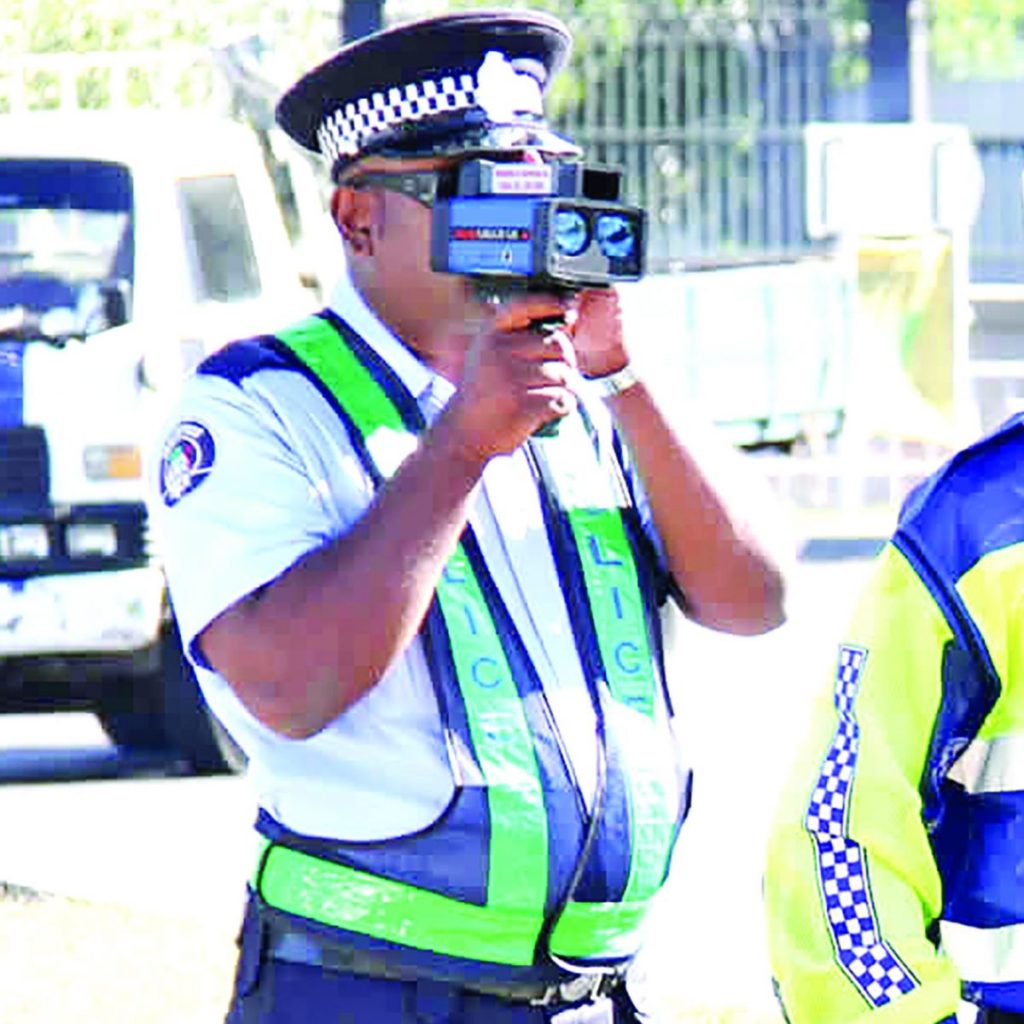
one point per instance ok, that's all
(517, 208)
(515, 227)
(536, 226)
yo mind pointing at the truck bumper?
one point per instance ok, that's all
(81, 613)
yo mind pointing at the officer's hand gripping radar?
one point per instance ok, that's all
(535, 226)
(531, 226)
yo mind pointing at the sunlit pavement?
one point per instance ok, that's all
(136, 835)
(71, 746)
(745, 703)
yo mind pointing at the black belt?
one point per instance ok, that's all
(1000, 1017)
(295, 945)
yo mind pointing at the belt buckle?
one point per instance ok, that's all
(583, 986)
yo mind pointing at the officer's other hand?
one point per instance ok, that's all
(598, 335)
(516, 376)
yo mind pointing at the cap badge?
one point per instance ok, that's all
(504, 93)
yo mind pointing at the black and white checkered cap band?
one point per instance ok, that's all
(346, 130)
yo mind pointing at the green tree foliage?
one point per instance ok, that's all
(605, 29)
(42, 28)
(968, 38)
(978, 38)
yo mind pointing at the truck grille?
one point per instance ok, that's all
(40, 543)
(24, 468)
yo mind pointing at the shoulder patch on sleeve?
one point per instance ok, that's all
(188, 457)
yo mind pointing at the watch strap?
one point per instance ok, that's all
(615, 383)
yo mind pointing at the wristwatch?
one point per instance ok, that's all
(614, 383)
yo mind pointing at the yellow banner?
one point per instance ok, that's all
(905, 317)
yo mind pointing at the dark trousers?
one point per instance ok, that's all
(1000, 1017)
(287, 993)
(271, 991)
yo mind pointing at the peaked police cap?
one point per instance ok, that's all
(464, 82)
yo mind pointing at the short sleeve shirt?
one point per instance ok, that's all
(259, 472)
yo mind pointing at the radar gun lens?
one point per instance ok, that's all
(616, 235)
(571, 234)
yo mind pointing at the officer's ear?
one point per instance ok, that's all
(357, 213)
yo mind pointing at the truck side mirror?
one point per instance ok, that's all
(116, 296)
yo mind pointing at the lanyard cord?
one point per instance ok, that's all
(581, 621)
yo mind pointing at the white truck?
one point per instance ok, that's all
(131, 245)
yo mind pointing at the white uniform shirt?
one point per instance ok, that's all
(280, 478)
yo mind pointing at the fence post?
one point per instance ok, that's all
(360, 18)
(920, 61)
(889, 59)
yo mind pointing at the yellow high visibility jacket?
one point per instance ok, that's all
(894, 881)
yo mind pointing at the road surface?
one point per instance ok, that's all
(139, 835)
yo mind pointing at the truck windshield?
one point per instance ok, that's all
(65, 232)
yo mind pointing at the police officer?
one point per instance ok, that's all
(894, 881)
(435, 635)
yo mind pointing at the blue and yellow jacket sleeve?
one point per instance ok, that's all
(851, 885)
(868, 849)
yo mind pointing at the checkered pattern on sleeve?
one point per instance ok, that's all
(346, 130)
(867, 960)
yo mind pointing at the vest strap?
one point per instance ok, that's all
(504, 930)
(356, 901)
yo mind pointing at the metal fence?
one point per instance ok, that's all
(997, 243)
(704, 105)
(701, 102)
(704, 108)
(990, 109)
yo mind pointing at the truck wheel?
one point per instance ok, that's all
(164, 712)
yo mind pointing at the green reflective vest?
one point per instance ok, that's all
(528, 900)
